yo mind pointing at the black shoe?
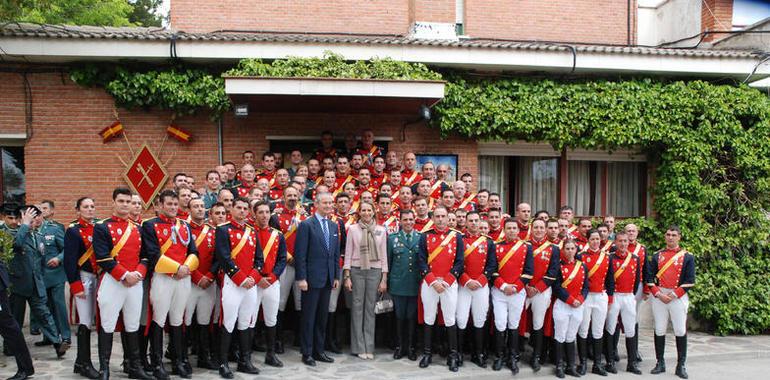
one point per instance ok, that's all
(179, 366)
(631, 349)
(569, 353)
(204, 349)
(61, 348)
(427, 352)
(134, 365)
(43, 343)
(681, 356)
(411, 327)
(537, 345)
(83, 365)
(498, 363)
(453, 362)
(610, 367)
(560, 365)
(660, 350)
(582, 353)
(426, 360)
(513, 348)
(270, 358)
(225, 372)
(244, 345)
(323, 358)
(224, 346)
(156, 352)
(34, 332)
(308, 360)
(105, 350)
(21, 375)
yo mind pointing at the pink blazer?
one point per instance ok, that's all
(353, 248)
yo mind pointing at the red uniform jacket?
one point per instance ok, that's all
(440, 255)
(124, 238)
(389, 221)
(600, 277)
(626, 271)
(78, 253)
(514, 264)
(244, 188)
(640, 251)
(678, 275)
(571, 283)
(170, 237)
(423, 225)
(546, 264)
(237, 253)
(203, 235)
(287, 222)
(273, 247)
(479, 259)
(525, 230)
(410, 177)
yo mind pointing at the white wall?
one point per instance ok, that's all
(662, 21)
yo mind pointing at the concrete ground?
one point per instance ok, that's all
(709, 357)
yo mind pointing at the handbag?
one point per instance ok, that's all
(384, 304)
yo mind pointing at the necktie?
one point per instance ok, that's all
(326, 233)
(409, 238)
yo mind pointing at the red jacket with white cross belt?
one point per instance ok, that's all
(108, 234)
(514, 264)
(480, 261)
(436, 261)
(238, 263)
(679, 275)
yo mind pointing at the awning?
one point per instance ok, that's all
(332, 95)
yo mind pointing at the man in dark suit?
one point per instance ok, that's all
(316, 259)
(11, 332)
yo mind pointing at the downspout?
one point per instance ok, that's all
(628, 23)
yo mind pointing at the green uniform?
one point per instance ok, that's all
(403, 276)
(54, 278)
(27, 284)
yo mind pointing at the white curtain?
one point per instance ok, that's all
(579, 194)
(537, 182)
(493, 176)
(624, 188)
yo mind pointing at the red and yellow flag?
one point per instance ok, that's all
(178, 133)
(111, 132)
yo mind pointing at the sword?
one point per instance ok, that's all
(145, 174)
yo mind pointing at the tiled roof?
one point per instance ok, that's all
(141, 33)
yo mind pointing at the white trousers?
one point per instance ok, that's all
(623, 305)
(289, 285)
(430, 301)
(238, 305)
(85, 307)
(566, 321)
(507, 309)
(472, 301)
(675, 310)
(268, 298)
(594, 315)
(539, 305)
(113, 297)
(168, 297)
(201, 303)
(639, 296)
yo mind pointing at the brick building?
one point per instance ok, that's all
(49, 125)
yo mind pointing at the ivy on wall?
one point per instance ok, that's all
(710, 145)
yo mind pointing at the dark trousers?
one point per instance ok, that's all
(12, 335)
(405, 307)
(315, 308)
(58, 308)
(38, 307)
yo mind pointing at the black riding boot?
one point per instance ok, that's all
(582, 349)
(156, 352)
(560, 360)
(83, 364)
(660, 350)
(180, 353)
(453, 361)
(135, 369)
(144, 342)
(124, 344)
(598, 367)
(478, 348)
(610, 351)
(513, 347)
(204, 348)
(615, 341)
(244, 360)
(279, 333)
(224, 350)
(569, 349)
(537, 346)
(427, 353)
(638, 356)
(105, 350)
(460, 345)
(681, 356)
(497, 364)
(270, 358)
(401, 347)
(632, 348)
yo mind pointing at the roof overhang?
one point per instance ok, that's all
(492, 56)
(267, 94)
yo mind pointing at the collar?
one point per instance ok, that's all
(266, 229)
(166, 218)
(240, 226)
(473, 236)
(119, 219)
(196, 225)
(84, 222)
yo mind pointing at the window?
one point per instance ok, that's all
(584, 190)
(537, 182)
(12, 180)
(493, 176)
(625, 188)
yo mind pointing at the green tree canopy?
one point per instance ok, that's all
(83, 12)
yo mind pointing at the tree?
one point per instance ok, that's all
(83, 12)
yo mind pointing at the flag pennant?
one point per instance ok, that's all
(178, 133)
(111, 132)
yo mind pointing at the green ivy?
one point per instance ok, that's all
(709, 145)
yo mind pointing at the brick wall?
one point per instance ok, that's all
(66, 159)
(587, 21)
(716, 15)
(352, 16)
(595, 21)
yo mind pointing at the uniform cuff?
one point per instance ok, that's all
(654, 290)
(499, 283)
(679, 292)
(449, 279)
(541, 286)
(76, 287)
(271, 278)
(255, 275)
(609, 300)
(571, 300)
(482, 280)
(464, 278)
(430, 278)
(142, 269)
(239, 277)
(118, 272)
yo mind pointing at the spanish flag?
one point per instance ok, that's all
(109, 133)
(178, 133)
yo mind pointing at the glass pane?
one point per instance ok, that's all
(584, 187)
(538, 183)
(493, 176)
(624, 182)
(14, 184)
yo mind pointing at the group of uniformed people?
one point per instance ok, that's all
(223, 256)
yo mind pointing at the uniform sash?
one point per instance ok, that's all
(202, 235)
(596, 266)
(578, 266)
(440, 247)
(623, 266)
(473, 246)
(87, 255)
(510, 253)
(670, 262)
(238, 248)
(540, 249)
(123, 239)
(427, 226)
(412, 177)
(270, 242)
